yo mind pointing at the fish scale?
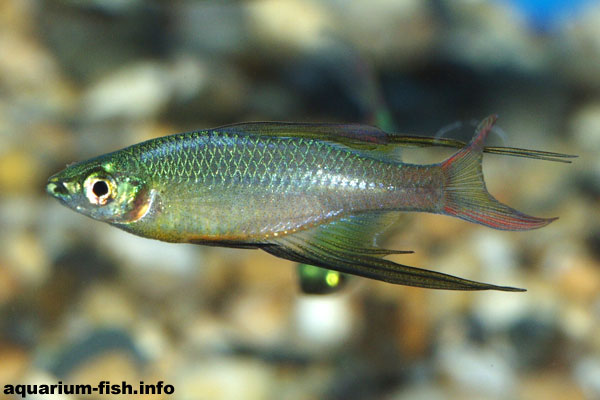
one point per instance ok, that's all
(233, 161)
(314, 193)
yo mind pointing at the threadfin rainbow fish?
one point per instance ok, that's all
(319, 194)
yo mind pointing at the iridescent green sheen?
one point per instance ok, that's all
(316, 194)
(221, 186)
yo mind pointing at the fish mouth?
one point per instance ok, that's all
(57, 189)
(61, 189)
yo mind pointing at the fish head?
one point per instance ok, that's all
(101, 189)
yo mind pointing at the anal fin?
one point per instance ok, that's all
(323, 247)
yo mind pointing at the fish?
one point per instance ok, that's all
(317, 194)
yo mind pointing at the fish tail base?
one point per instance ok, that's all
(465, 193)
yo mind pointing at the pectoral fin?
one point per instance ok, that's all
(357, 234)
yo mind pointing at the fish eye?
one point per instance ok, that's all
(98, 190)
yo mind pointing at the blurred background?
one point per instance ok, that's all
(81, 301)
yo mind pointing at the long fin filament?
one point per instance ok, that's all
(302, 248)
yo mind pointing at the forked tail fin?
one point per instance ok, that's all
(465, 194)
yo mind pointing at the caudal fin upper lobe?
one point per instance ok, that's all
(465, 194)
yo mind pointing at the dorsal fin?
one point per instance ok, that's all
(420, 141)
(366, 137)
(358, 136)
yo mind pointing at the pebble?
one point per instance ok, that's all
(107, 305)
(482, 371)
(263, 271)
(421, 392)
(552, 386)
(577, 322)
(577, 276)
(210, 28)
(259, 318)
(15, 363)
(500, 310)
(112, 366)
(413, 321)
(587, 375)
(205, 333)
(16, 15)
(491, 34)
(150, 340)
(135, 91)
(388, 32)
(229, 378)
(28, 261)
(585, 126)
(8, 284)
(581, 38)
(538, 338)
(288, 25)
(150, 255)
(19, 172)
(324, 323)
(40, 377)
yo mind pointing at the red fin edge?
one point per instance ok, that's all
(465, 194)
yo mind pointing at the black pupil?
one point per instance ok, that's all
(100, 188)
